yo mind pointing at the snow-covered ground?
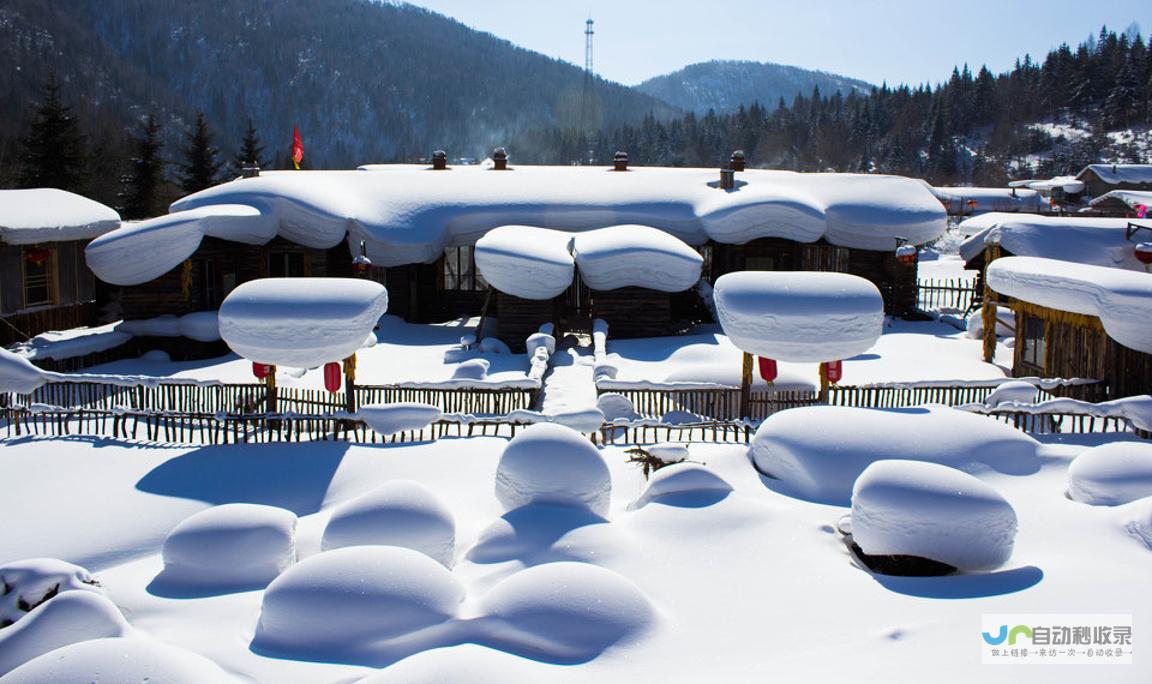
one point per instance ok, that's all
(748, 585)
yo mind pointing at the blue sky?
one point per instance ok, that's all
(898, 40)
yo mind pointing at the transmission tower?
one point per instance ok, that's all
(588, 32)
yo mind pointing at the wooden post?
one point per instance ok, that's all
(270, 380)
(991, 252)
(350, 384)
(823, 382)
(746, 387)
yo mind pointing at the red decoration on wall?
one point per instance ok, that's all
(333, 376)
(37, 255)
(260, 370)
(768, 369)
(835, 371)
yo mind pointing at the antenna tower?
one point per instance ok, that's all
(588, 32)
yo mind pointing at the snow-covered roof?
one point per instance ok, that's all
(1132, 198)
(981, 200)
(408, 214)
(49, 215)
(1117, 174)
(1069, 184)
(1121, 299)
(1097, 241)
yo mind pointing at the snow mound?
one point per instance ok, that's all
(472, 369)
(526, 262)
(29, 217)
(1014, 390)
(668, 452)
(682, 479)
(539, 340)
(167, 241)
(799, 316)
(119, 660)
(1111, 474)
(1121, 299)
(581, 420)
(202, 326)
(17, 374)
(389, 419)
(398, 513)
(927, 510)
(549, 463)
(1004, 319)
(616, 407)
(301, 322)
(237, 545)
(471, 663)
(31, 582)
(635, 256)
(817, 452)
(494, 345)
(66, 619)
(338, 604)
(566, 612)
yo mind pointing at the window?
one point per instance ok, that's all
(39, 276)
(286, 265)
(1035, 348)
(460, 272)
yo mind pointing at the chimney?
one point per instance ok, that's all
(250, 170)
(439, 160)
(727, 179)
(620, 161)
(736, 162)
(500, 159)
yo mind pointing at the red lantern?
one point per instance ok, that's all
(1143, 253)
(260, 370)
(835, 371)
(907, 254)
(37, 255)
(768, 369)
(333, 376)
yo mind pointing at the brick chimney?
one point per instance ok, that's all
(250, 170)
(727, 179)
(736, 162)
(439, 160)
(620, 161)
(499, 159)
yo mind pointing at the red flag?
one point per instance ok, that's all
(297, 148)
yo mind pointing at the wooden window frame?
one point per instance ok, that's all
(51, 278)
(458, 271)
(1033, 346)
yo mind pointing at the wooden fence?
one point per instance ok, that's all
(950, 293)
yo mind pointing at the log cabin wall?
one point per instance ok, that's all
(70, 288)
(634, 312)
(518, 318)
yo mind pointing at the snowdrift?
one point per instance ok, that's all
(69, 618)
(1092, 241)
(397, 513)
(553, 464)
(120, 660)
(230, 547)
(1111, 474)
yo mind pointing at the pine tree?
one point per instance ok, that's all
(53, 154)
(141, 194)
(1123, 104)
(201, 166)
(251, 151)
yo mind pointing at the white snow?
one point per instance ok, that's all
(1015, 390)
(668, 452)
(1117, 174)
(1045, 186)
(680, 481)
(1111, 474)
(552, 464)
(71, 617)
(526, 262)
(398, 513)
(960, 199)
(635, 256)
(818, 452)
(389, 419)
(472, 369)
(1121, 299)
(616, 407)
(38, 215)
(119, 660)
(67, 344)
(1133, 198)
(17, 374)
(231, 547)
(343, 604)
(1095, 241)
(539, 340)
(202, 326)
(912, 508)
(301, 322)
(145, 250)
(28, 583)
(799, 316)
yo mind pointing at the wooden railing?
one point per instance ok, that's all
(951, 293)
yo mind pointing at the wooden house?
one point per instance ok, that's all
(44, 281)
(1123, 204)
(1100, 179)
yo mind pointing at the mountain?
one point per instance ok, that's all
(364, 80)
(725, 85)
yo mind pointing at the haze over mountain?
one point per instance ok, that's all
(725, 85)
(364, 81)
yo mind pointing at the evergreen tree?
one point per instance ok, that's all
(1123, 104)
(141, 194)
(201, 166)
(251, 151)
(53, 154)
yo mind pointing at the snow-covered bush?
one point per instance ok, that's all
(681, 478)
(616, 407)
(1111, 474)
(1014, 390)
(397, 513)
(26, 584)
(389, 419)
(65, 619)
(927, 510)
(237, 545)
(339, 603)
(554, 464)
(119, 660)
(817, 452)
(472, 369)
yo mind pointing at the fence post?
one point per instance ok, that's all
(746, 387)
